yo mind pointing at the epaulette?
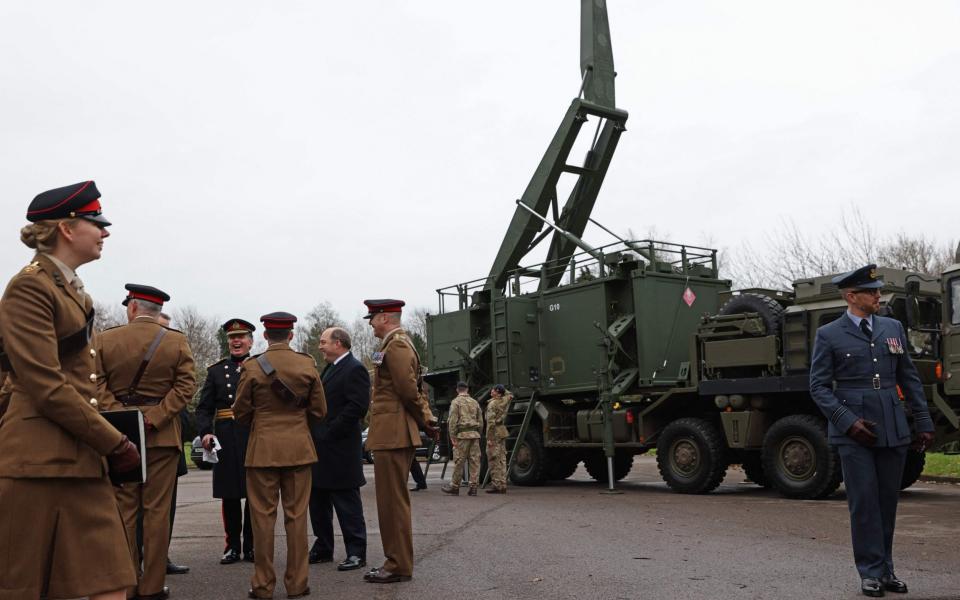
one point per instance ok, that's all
(114, 327)
(34, 267)
(172, 329)
(312, 359)
(212, 365)
(249, 358)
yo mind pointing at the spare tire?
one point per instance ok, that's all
(769, 310)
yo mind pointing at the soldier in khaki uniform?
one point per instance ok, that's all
(398, 410)
(60, 530)
(278, 391)
(496, 438)
(464, 425)
(148, 366)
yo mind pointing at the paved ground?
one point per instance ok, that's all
(570, 541)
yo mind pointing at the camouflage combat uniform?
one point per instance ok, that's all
(496, 440)
(464, 424)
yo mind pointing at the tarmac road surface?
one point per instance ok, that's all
(568, 540)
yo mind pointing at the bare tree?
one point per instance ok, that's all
(790, 254)
(107, 316)
(202, 335)
(364, 342)
(307, 335)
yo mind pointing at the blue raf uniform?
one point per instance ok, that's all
(855, 376)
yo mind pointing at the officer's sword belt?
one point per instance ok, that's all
(278, 386)
(67, 345)
(224, 413)
(132, 398)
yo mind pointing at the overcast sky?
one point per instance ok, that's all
(260, 156)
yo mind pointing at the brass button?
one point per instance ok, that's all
(874, 360)
(93, 376)
(94, 403)
(228, 375)
(229, 395)
(93, 352)
(228, 385)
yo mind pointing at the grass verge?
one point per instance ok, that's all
(942, 465)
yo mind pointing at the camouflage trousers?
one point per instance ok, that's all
(467, 450)
(497, 463)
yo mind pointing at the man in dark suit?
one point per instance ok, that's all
(861, 362)
(338, 472)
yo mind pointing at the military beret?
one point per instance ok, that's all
(375, 307)
(135, 291)
(278, 320)
(238, 327)
(862, 278)
(77, 200)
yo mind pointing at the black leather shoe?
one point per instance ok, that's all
(418, 488)
(892, 584)
(350, 563)
(248, 556)
(229, 557)
(315, 557)
(161, 595)
(173, 569)
(254, 596)
(871, 587)
(384, 576)
(305, 592)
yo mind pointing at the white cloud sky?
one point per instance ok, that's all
(260, 156)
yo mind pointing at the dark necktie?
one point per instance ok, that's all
(865, 328)
(326, 372)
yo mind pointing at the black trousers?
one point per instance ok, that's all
(237, 522)
(349, 509)
(417, 472)
(872, 477)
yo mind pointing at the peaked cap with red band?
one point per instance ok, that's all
(385, 305)
(278, 320)
(238, 327)
(135, 291)
(72, 201)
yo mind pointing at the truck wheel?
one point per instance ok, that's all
(690, 456)
(753, 467)
(770, 312)
(913, 468)
(797, 459)
(561, 464)
(596, 464)
(530, 464)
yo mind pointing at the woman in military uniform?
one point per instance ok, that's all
(497, 437)
(60, 529)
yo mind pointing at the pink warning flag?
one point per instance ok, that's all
(689, 297)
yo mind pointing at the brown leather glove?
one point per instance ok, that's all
(924, 440)
(862, 432)
(124, 457)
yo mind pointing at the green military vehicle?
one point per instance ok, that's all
(614, 350)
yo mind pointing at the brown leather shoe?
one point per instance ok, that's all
(449, 489)
(384, 576)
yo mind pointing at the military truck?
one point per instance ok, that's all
(617, 349)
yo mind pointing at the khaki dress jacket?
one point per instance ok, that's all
(398, 406)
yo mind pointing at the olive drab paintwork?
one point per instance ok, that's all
(616, 349)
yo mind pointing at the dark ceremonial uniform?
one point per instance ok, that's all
(856, 373)
(215, 416)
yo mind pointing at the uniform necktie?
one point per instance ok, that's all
(865, 328)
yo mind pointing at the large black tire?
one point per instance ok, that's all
(561, 464)
(753, 467)
(596, 464)
(530, 465)
(798, 461)
(691, 456)
(913, 468)
(769, 310)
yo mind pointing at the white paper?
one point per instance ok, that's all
(209, 456)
